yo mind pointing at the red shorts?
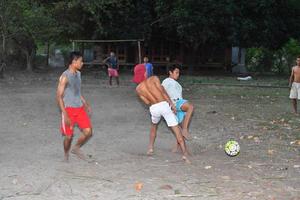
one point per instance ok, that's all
(112, 72)
(77, 116)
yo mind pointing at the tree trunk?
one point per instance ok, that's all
(29, 61)
(267, 60)
(3, 56)
(193, 60)
(48, 50)
(3, 44)
(2, 66)
(3, 31)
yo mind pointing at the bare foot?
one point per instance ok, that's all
(188, 152)
(78, 153)
(150, 152)
(186, 134)
(66, 159)
(186, 160)
(175, 148)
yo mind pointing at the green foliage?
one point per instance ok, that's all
(266, 23)
(109, 17)
(26, 23)
(197, 23)
(254, 58)
(282, 59)
(23, 17)
(292, 48)
(222, 23)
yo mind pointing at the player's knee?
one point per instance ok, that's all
(88, 132)
(191, 107)
(68, 137)
(180, 139)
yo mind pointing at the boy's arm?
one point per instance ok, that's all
(165, 95)
(291, 78)
(85, 104)
(63, 81)
(145, 100)
(105, 60)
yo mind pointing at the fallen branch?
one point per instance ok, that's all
(89, 178)
(192, 195)
(19, 194)
(275, 178)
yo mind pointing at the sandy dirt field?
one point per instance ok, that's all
(260, 119)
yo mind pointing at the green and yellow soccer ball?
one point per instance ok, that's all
(232, 148)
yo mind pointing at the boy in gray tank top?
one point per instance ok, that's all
(73, 106)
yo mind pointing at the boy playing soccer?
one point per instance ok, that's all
(294, 84)
(73, 106)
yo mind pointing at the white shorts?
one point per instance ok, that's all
(163, 109)
(295, 91)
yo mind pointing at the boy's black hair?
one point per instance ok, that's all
(74, 55)
(173, 67)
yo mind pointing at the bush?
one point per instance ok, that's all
(40, 61)
(279, 61)
(286, 56)
(254, 59)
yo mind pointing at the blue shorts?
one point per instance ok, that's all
(180, 113)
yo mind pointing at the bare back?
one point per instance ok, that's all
(151, 91)
(296, 73)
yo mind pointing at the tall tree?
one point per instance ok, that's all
(26, 22)
(268, 23)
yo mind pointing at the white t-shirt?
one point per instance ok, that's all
(173, 89)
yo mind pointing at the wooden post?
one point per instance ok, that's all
(140, 53)
(82, 48)
(47, 52)
(73, 46)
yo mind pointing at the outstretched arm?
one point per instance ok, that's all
(105, 60)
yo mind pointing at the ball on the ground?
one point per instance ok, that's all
(232, 148)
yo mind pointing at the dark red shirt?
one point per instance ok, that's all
(139, 73)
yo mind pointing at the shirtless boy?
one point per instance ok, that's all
(294, 84)
(153, 94)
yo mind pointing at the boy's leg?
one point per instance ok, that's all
(294, 102)
(153, 131)
(180, 140)
(86, 134)
(176, 148)
(188, 108)
(110, 80)
(67, 146)
(294, 92)
(67, 131)
(117, 78)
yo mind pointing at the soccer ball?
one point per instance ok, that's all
(232, 148)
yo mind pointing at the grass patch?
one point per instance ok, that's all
(229, 80)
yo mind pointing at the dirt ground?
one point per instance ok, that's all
(260, 119)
